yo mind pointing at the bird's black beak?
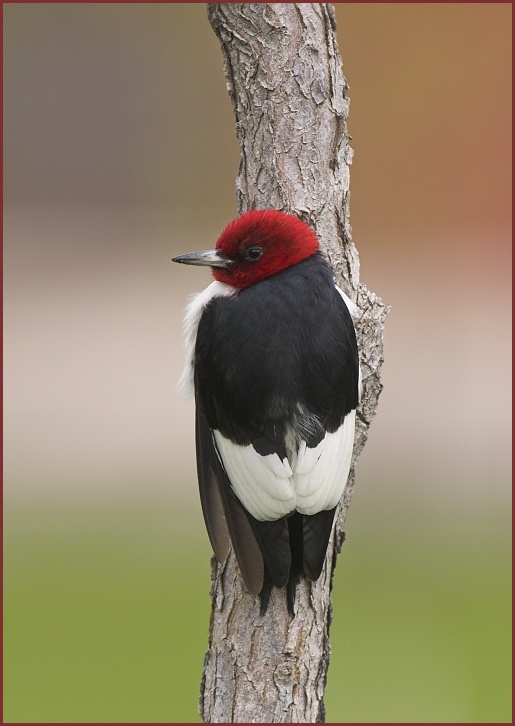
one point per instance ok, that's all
(211, 258)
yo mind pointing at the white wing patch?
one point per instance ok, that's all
(263, 484)
(192, 316)
(269, 488)
(321, 473)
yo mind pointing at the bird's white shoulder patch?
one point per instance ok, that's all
(192, 316)
(320, 474)
(354, 312)
(351, 306)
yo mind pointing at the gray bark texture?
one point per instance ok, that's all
(289, 96)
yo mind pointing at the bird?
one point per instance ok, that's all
(271, 359)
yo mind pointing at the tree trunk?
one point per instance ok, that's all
(285, 82)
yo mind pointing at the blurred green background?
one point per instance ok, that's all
(119, 152)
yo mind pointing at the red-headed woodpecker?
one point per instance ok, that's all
(272, 360)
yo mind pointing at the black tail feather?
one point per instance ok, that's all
(264, 595)
(304, 539)
(296, 533)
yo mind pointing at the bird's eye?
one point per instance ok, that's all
(253, 253)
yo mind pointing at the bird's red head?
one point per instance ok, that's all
(261, 243)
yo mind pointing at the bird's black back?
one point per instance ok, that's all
(286, 340)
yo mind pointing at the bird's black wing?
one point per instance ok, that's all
(223, 514)
(316, 533)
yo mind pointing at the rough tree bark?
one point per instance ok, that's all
(289, 95)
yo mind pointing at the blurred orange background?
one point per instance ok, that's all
(120, 152)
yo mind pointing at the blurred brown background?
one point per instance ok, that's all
(119, 152)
